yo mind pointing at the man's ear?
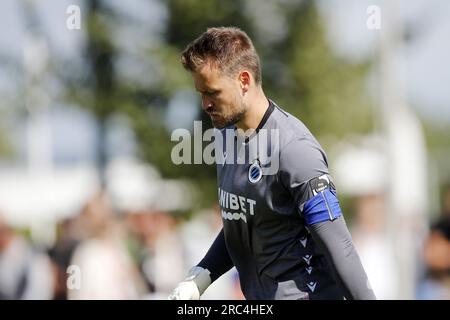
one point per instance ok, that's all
(244, 81)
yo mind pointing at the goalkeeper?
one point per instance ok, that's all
(283, 230)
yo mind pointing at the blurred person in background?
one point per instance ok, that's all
(436, 255)
(69, 236)
(197, 234)
(106, 268)
(159, 254)
(25, 272)
(370, 237)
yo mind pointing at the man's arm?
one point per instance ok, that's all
(335, 241)
(304, 172)
(216, 262)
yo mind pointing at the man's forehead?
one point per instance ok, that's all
(206, 77)
(208, 71)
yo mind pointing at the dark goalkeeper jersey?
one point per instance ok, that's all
(271, 187)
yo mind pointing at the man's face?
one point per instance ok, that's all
(221, 96)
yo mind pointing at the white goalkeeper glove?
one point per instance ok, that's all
(191, 288)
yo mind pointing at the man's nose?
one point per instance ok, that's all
(206, 103)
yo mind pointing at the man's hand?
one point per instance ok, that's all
(186, 290)
(193, 286)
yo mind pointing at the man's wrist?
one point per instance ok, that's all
(201, 277)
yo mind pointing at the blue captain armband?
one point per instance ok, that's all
(322, 207)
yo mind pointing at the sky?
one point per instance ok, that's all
(423, 58)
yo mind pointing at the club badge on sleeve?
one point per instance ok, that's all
(320, 183)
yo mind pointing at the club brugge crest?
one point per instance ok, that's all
(255, 172)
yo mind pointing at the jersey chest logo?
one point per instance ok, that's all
(255, 172)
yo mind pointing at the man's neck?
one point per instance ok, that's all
(257, 107)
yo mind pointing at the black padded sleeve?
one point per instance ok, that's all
(217, 260)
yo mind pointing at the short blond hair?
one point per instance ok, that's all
(228, 48)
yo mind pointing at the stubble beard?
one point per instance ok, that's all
(231, 119)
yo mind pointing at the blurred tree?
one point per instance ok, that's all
(327, 93)
(101, 82)
(437, 137)
(5, 146)
(300, 72)
(188, 19)
(94, 84)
